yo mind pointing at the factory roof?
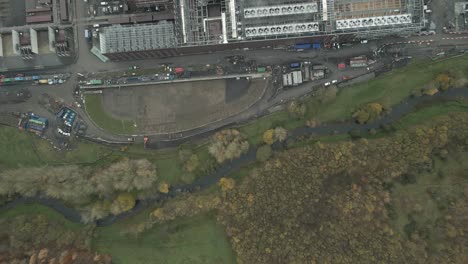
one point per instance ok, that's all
(142, 37)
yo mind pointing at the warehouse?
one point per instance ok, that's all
(136, 41)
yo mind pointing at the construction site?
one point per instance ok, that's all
(199, 26)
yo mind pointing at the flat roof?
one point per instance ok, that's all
(142, 37)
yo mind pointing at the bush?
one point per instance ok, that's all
(272, 135)
(123, 203)
(297, 109)
(368, 113)
(263, 153)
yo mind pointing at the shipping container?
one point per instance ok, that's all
(34, 78)
(317, 45)
(19, 79)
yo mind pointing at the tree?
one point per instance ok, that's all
(297, 109)
(280, 134)
(272, 135)
(268, 136)
(314, 122)
(226, 184)
(264, 153)
(163, 187)
(192, 163)
(123, 202)
(368, 113)
(443, 81)
(98, 210)
(125, 175)
(227, 145)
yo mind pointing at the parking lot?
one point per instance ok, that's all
(177, 107)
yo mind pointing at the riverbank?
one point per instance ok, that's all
(402, 110)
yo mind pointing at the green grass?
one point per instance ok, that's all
(95, 110)
(429, 112)
(17, 148)
(191, 240)
(389, 89)
(24, 149)
(37, 209)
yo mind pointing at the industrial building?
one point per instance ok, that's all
(211, 25)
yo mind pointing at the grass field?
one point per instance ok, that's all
(197, 240)
(388, 89)
(23, 149)
(37, 209)
(98, 115)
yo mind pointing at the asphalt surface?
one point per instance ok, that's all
(86, 62)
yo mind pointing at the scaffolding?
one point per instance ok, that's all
(204, 22)
(140, 37)
(377, 18)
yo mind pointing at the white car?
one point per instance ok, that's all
(327, 84)
(334, 81)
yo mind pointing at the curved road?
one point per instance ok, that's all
(397, 113)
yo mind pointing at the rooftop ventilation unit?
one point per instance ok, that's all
(373, 21)
(280, 10)
(294, 28)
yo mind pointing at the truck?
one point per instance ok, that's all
(261, 69)
(95, 82)
(295, 65)
(43, 81)
(302, 46)
(87, 34)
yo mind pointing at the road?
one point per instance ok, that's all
(86, 62)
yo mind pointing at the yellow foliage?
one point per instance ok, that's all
(226, 184)
(268, 136)
(163, 187)
(250, 198)
(431, 92)
(376, 108)
(123, 203)
(158, 213)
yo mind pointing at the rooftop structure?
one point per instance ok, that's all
(264, 19)
(130, 38)
(211, 25)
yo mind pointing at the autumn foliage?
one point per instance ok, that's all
(227, 145)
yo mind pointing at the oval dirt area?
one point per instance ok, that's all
(176, 107)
